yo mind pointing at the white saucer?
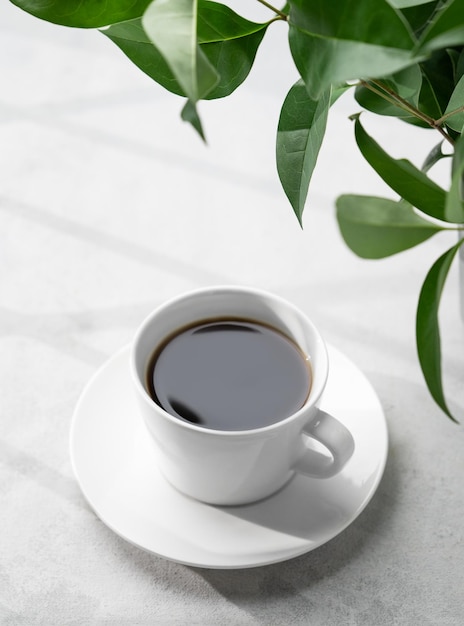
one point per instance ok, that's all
(115, 466)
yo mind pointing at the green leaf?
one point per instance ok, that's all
(84, 13)
(172, 27)
(427, 326)
(454, 205)
(377, 227)
(230, 43)
(218, 22)
(190, 114)
(460, 66)
(456, 103)
(446, 29)
(419, 15)
(436, 154)
(300, 134)
(428, 101)
(439, 70)
(233, 58)
(133, 41)
(403, 177)
(454, 56)
(350, 39)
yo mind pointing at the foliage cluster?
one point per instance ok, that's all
(402, 58)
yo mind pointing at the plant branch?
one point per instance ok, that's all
(444, 117)
(404, 103)
(281, 15)
(383, 91)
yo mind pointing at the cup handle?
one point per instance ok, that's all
(335, 437)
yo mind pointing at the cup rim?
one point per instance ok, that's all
(311, 402)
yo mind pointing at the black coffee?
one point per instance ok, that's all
(229, 374)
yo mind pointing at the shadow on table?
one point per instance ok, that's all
(264, 591)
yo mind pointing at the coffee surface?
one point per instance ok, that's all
(229, 375)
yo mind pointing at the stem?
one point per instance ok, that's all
(443, 118)
(443, 132)
(393, 98)
(382, 93)
(405, 104)
(281, 15)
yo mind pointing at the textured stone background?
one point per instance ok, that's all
(109, 205)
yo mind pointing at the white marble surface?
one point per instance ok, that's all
(108, 205)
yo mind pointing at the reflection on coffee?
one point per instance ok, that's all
(229, 374)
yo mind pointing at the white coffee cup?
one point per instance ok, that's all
(229, 467)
